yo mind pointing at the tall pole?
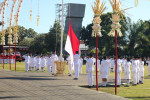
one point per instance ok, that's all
(9, 57)
(15, 56)
(96, 64)
(61, 46)
(116, 57)
(3, 56)
(116, 63)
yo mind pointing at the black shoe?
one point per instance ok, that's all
(118, 85)
(137, 83)
(89, 86)
(53, 74)
(126, 86)
(69, 75)
(141, 82)
(75, 78)
(134, 85)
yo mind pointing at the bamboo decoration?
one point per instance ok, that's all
(31, 12)
(98, 9)
(136, 2)
(116, 18)
(38, 16)
(11, 17)
(3, 21)
(15, 39)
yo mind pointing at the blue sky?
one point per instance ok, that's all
(47, 12)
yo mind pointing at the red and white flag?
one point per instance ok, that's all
(72, 42)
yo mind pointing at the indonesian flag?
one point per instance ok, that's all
(72, 42)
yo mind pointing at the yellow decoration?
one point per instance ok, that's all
(30, 15)
(3, 40)
(9, 39)
(7, 21)
(116, 6)
(98, 8)
(15, 39)
(38, 17)
(3, 32)
(136, 2)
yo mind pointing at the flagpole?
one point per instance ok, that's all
(96, 64)
(116, 58)
(3, 56)
(61, 42)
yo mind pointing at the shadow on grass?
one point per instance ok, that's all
(146, 77)
(94, 86)
(10, 97)
(24, 78)
(57, 86)
(142, 98)
(41, 76)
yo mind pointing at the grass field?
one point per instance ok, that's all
(139, 92)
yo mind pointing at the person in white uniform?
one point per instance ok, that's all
(76, 65)
(105, 65)
(70, 65)
(134, 71)
(80, 65)
(123, 63)
(54, 58)
(32, 63)
(98, 65)
(148, 66)
(138, 69)
(141, 72)
(49, 63)
(43, 63)
(38, 63)
(89, 70)
(119, 70)
(27, 62)
(127, 72)
(112, 64)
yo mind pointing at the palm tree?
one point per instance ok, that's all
(136, 35)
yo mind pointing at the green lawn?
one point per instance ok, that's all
(139, 92)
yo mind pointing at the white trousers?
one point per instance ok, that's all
(149, 70)
(49, 68)
(134, 74)
(141, 74)
(80, 69)
(118, 78)
(70, 68)
(76, 70)
(90, 79)
(53, 68)
(26, 67)
(138, 78)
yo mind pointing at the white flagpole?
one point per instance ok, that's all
(61, 46)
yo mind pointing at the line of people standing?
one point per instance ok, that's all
(136, 64)
(40, 62)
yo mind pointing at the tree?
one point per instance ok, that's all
(38, 44)
(23, 33)
(137, 36)
(27, 41)
(53, 38)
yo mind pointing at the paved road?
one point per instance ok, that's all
(42, 86)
